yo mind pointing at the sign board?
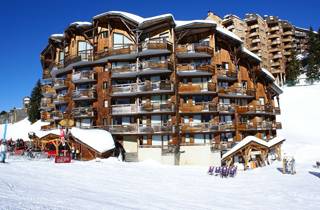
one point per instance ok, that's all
(62, 159)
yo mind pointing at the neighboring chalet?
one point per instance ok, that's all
(179, 92)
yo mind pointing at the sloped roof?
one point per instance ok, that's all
(250, 139)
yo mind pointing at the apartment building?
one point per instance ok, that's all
(179, 92)
(271, 38)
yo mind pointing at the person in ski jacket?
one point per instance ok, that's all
(3, 151)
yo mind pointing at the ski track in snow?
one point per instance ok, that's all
(110, 184)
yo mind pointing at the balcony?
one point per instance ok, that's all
(155, 46)
(288, 33)
(123, 129)
(153, 67)
(123, 52)
(124, 109)
(60, 99)
(198, 127)
(57, 115)
(46, 104)
(255, 40)
(227, 75)
(195, 50)
(236, 92)
(152, 107)
(226, 126)
(46, 116)
(264, 125)
(124, 71)
(84, 94)
(276, 56)
(189, 69)
(198, 107)
(155, 128)
(83, 77)
(258, 109)
(290, 39)
(275, 42)
(84, 55)
(46, 74)
(59, 83)
(83, 112)
(277, 125)
(194, 88)
(47, 91)
(124, 89)
(226, 108)
(275, 28)
(163, 86)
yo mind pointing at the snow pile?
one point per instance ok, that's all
(97, 139)
(300, 122)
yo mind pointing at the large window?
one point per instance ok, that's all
(120, 41)
(83, 47)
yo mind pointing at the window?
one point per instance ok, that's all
(261, 100)
(106, 104)
(119, 40)
(225, 137)
(105, 85)
(104, 34)
(61, 56)
(83, 47)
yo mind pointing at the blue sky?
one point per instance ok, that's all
(26, 26)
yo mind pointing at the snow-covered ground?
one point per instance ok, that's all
(110, 184)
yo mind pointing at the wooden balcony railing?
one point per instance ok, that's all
(122, 129)
(59, 83)
(236, 91)
(156, 44)
(267, 109)
(124, 88)
(83, 112)
(226, 108)
(85, 55)
(124, 109)
(195, 47)
(264, 125)
(83, 76)
(196, 127)
(156, 128)
(149, 65)
(198, 107)
(47, 90)
(163, 85)
(57, 115)
(225, 73)
(192, 67)
(156, 107)
(196, 87)
(46, 116)
(124, 68)
(60, 99)
(84, 94)
(122, 49)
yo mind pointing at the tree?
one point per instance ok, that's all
(292, 69)
(313, 61)
(35, 100)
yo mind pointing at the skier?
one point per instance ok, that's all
(3, 150)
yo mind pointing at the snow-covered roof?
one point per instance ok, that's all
(276, 88)
(248, 52)
(135, 18)
(228, 33)
(194, 23)
(268, 73)
(56, 37)
(98, 139)
(81, 24)
(21, 129)
(250, 139)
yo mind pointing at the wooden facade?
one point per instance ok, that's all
(158, 83)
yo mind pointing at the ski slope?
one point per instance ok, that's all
(110, 184)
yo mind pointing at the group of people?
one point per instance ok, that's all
(289, 165)
(223, 171)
